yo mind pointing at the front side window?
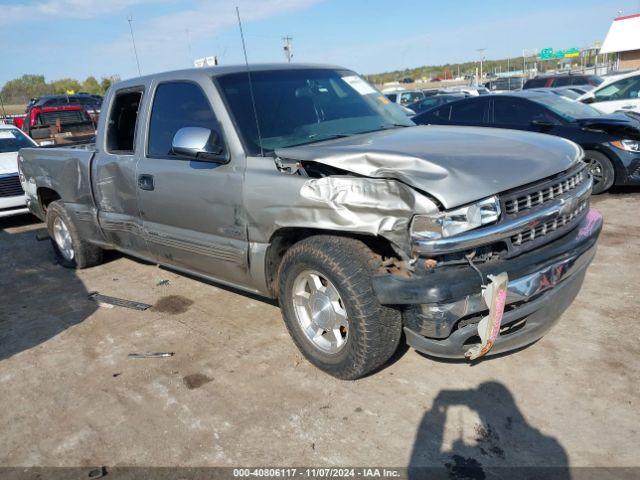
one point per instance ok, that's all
(176, 105)
(123, 119)
(302, 106)
(624, 89)
(12, 140)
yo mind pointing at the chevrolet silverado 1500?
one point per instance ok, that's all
(303, 183)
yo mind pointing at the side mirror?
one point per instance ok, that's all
(542, 123)
(199, 143)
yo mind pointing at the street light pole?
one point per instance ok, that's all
(287, 48)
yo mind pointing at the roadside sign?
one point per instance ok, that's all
(550, 53)
(546, 54)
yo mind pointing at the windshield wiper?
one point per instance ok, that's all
(321, 138)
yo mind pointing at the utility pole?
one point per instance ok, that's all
(481, 51)
(287, 48)
(133, 41)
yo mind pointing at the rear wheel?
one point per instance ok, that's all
(70, 250)
(330, 309)
(601, 169)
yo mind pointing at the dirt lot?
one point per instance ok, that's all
(237, 392)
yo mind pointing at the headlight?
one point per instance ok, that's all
(453, 222)
(628, 145)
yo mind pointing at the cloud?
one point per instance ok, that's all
(61, 9)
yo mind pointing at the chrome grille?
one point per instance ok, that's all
(10, 186)
(543, 229)
(549, 192)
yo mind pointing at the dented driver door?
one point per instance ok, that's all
(190, 209)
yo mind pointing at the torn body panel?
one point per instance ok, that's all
(379, 207)
(457, 165)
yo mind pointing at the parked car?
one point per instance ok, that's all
(621, 93)
(505, 84)
(562, 80)
(12, 199)
(566, 92)
(434, 101)
(405, 97)
(91, 103)
(316, 191)
(471, 90)
(51, 120)
(611, 143)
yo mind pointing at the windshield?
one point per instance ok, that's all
(568, 109)
(12, 140)
(297, 107)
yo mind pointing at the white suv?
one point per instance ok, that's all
(619, 94)
(12, 199)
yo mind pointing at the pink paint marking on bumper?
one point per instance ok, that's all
(593, 217)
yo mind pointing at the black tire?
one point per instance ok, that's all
(84, 253)
(601, 169)
(374, 330)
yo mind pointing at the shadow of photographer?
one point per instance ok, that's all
(502, 443)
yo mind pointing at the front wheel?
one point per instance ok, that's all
(330, 308)
(601, 169)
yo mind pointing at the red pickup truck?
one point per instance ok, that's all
(50, 123)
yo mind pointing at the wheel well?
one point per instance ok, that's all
(284, 238)
(46, 196)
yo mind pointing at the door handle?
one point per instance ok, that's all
(145, 182)
(627, 107)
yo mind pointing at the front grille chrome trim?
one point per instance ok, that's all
(521, 202)
(508, 228)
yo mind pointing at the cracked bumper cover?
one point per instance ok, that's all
(542, 285)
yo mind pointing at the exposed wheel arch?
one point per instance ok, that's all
(46, 196)
(284, 238)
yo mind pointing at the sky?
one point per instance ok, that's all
(77, 38)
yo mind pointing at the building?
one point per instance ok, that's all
(623, 40)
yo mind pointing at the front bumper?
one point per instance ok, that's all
(441, 308)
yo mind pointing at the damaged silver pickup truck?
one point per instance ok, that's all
(304, 184)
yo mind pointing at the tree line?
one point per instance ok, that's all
(20, 90)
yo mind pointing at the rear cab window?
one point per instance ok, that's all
(123, 121)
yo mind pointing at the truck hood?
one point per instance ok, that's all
(455, 165)
(8, 163)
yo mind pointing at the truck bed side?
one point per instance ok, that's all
(49, 174)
